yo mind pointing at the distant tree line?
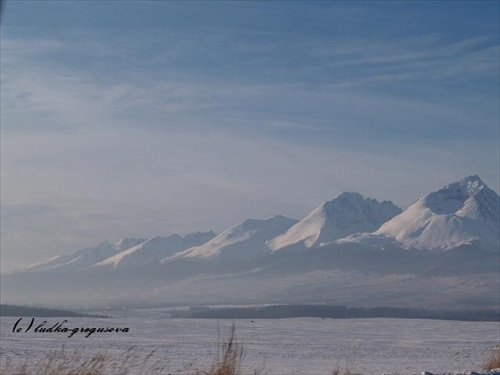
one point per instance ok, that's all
(334, 312)
(14, 310)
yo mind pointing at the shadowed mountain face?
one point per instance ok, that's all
(353, 275)
(442, 252)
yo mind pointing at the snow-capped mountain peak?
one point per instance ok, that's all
(128, 252)
(244, 240)
(155, 249)
(463, 212)
(82, 258)
(127, 243)
(198, 238)
(460, 213)
(469, 197)
(347, 214)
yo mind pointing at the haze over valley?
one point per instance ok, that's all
(442, 252)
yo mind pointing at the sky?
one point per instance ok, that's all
(143, 118)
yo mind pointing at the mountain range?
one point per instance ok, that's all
(343, 251)
(464, 212)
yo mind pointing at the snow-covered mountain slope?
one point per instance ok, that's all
(347, 214)
(242, 241)
(154, 249)
(127, 243)
(85, 257)
(464, 212)
(198, 238)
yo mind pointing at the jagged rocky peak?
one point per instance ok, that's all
(244, 240)
(347, 214)
(469, 197)
(127, 243)
(259, 224)
(352, 208)
(461, 213)
(198, 238)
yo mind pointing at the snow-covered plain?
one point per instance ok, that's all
(304, 346)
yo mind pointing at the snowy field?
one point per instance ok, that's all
(288, 346)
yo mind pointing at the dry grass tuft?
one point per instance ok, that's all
(493, 361)
(229, 362)
(60, 363)
(350, 362)
(230, 359)
(338, 371)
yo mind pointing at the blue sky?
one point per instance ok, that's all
(141, 118)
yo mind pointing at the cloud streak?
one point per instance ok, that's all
(109, 133)
(134, 185)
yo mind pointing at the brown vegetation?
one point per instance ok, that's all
(349, 365)
(493, 361)
(229, 362)
(75, 364)
(230, 359)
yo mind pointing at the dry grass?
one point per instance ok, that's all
(348, 369)
(229, 359)
(61, 363)
(229, 362)
(493, 361)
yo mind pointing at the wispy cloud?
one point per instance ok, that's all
(111, 184)
(109, 132)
